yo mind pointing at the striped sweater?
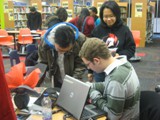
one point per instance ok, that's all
(119, 94)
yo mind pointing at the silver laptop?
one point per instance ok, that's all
(72, 98)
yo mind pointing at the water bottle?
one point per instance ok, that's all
(47, 110)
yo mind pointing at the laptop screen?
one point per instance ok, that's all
(73, 95)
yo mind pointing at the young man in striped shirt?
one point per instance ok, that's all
(119, 94)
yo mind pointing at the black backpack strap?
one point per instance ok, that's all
(83, 25)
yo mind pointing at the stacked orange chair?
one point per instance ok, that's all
(15, 77)
(24, 38)
(137, 38)
(5, 40)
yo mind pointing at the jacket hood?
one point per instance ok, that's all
(50, 34)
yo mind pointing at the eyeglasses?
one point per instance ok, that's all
(87, 64)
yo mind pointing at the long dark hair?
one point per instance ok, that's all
(84, 13)
(113, 6)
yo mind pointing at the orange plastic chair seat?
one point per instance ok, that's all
(25, 36)
(136, 37)
(5, 39)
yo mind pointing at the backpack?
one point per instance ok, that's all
(31, 58)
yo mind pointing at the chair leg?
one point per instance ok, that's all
(22, 50)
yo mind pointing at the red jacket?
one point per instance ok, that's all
(6, 106)
(89, 25)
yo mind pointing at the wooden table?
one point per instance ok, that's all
(58, 116)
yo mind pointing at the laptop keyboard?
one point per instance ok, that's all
(86, 113)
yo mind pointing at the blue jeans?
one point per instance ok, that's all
(99, 77)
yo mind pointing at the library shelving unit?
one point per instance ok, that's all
(68, 5)
(124, 11)
(20, 16)
(142, 20)
(79, 5)
(37, 4)
(78, 8)
(9, 23)
(15, 16)
(97, 4)
(150, 22)
(46, 10)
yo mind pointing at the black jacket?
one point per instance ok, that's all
(126, 44)
(34, 21)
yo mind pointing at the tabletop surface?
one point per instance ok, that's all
(57, 116)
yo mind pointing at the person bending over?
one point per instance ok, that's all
(59, 49)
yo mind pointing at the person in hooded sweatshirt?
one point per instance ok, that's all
(59, 49)
(62, 57)
(114, 33)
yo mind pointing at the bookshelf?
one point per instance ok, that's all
(46, 10)
(9, 23)
(68, 5)
(97, 4)
(78, 8)
(142, 20)
(20, 16)
(124, 11)
(37, 4)
(15, 15)
(150, 22)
